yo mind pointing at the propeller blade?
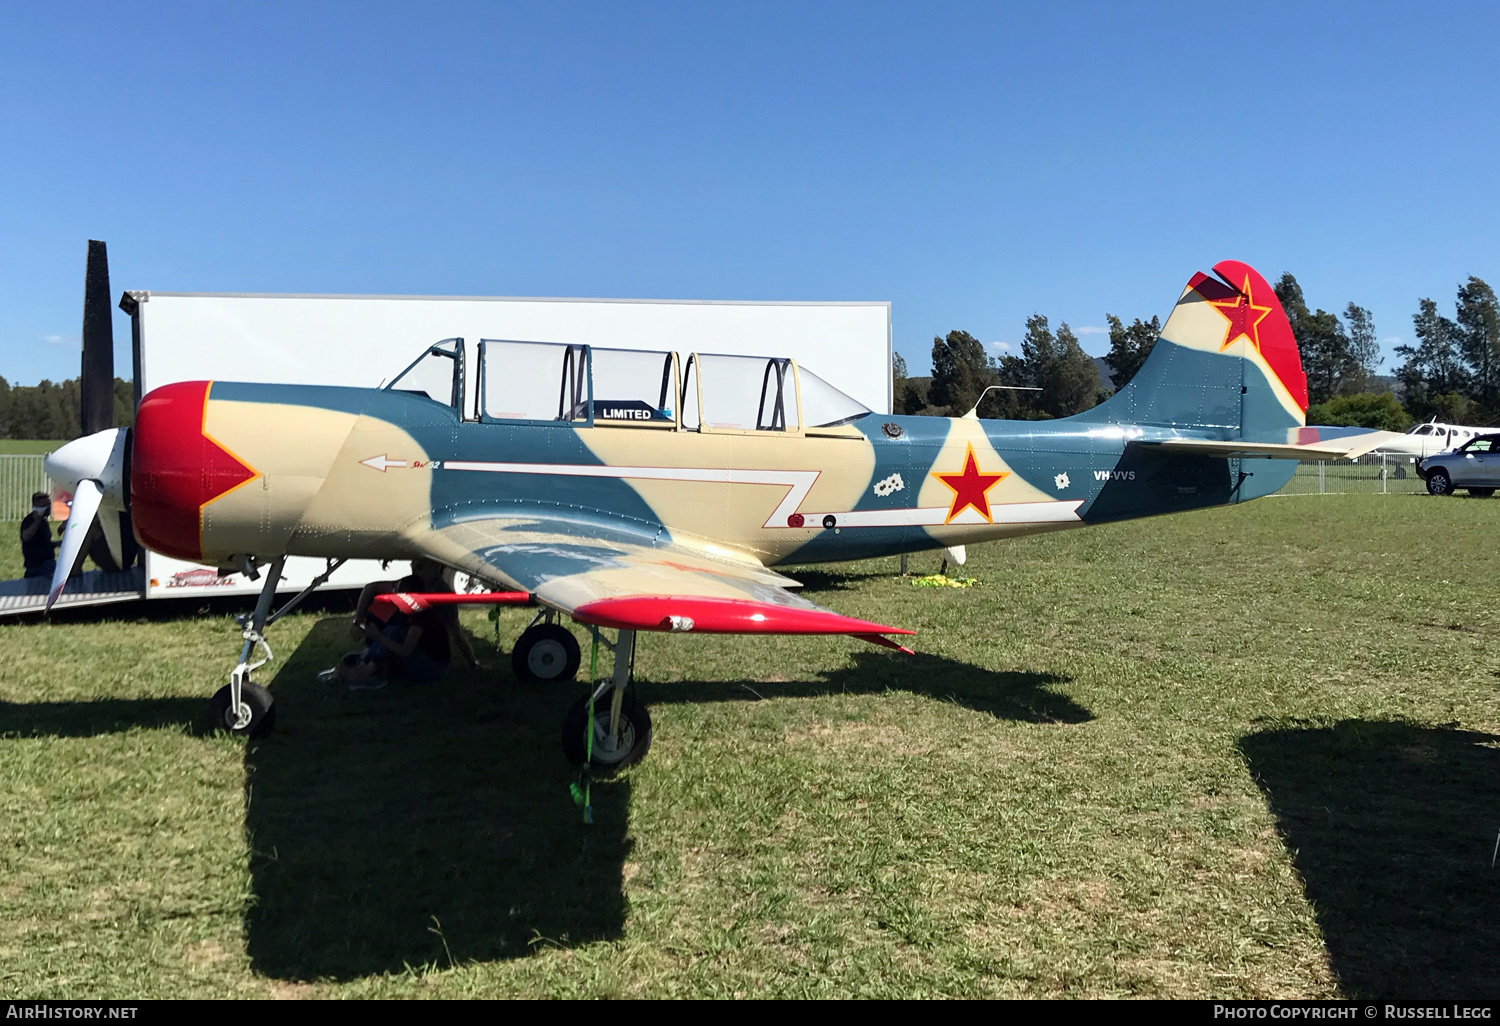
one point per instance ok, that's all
(109, 520)
(86, 499)
(96, 384)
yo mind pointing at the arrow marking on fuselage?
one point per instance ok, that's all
(380, 463)
(798, 484)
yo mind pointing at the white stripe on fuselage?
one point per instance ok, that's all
(798, 483)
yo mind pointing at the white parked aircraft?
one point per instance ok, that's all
(1431, 438)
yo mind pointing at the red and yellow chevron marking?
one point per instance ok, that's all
(177, 468)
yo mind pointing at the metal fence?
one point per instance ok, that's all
(1376, 473)
(20, 478)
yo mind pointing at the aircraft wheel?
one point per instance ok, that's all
(545, 654)
(1439, 483)
(255, 718)
(635, 734)
(1481, 493)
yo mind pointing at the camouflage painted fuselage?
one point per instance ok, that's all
(223, 469)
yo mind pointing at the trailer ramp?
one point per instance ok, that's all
(93, 588)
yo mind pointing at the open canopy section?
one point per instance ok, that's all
(548, 382)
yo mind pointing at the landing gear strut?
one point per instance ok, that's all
(621, 730)
(242, 706)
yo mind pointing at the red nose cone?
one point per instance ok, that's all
(175, 469)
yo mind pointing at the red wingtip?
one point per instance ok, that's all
(876, 639)
(720, 616)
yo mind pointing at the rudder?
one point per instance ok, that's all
(1226, 361)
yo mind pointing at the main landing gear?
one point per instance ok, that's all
(546, 652)
(620, 732)
(242, 706)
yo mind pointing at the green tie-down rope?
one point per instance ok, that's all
(494, 615)
(581, 789)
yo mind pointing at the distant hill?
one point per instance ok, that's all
(1105, 377)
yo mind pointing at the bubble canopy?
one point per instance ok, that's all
(552, 383)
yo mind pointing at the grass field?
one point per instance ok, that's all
(1244, 753)
(27, 446)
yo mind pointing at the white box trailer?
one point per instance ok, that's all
(364, 341)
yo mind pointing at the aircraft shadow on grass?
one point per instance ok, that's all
(1392, 828)
(394, 829)
(401, 828)
(1027, 697)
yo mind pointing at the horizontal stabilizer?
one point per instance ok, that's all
(1321, 447)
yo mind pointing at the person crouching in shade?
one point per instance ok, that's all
(38, 549)
(427, 576)
(407, 646)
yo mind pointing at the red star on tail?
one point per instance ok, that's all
(1243, 315)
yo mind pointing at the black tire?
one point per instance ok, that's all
(545, 654)
(1481, 493)
(262, 711)
(1439, 483)
(635, 734)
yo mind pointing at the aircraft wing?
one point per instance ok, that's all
(613, 574)
(1316, 443)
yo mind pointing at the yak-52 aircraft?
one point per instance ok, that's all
(645, 491)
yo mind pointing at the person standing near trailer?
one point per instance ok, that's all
(38, 549)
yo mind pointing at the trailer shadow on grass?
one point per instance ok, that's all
(416, 827)
(102, 716)
(1392, 828)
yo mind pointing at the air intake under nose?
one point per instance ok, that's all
(176, 469)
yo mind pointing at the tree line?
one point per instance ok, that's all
(1052, 376)
(50, 410)
(1451, 372)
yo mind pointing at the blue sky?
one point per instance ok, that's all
(971, 163)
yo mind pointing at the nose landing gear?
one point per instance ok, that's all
(242, 706)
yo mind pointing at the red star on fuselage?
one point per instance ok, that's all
(1243, 315)
(971, 488)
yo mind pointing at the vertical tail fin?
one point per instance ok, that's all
(1226, 361)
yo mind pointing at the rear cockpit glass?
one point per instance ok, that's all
(438, 374)
(744, 393)
(825, 406)
(533, 381)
